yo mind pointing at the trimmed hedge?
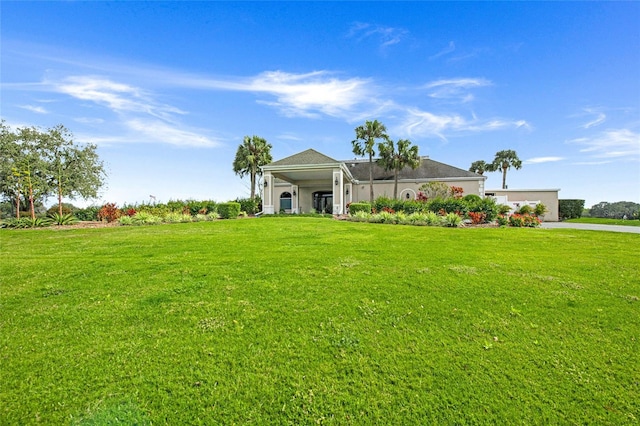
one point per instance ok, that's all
(229, 210)
(359, 207)
(570, 209)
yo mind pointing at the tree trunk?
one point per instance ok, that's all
(504, 178)
(60, 200)
(31, 207)
(18, 205)
(371, 179)
(395, 184)
(253, 184)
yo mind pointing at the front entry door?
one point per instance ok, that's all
(323, 201)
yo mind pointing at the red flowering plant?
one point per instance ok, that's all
(524, 220)
(388, 210)
(109, 212)
(477, 217)
(457, 191)
(130, 212)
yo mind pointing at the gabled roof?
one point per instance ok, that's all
(428, 169)
(308, 157)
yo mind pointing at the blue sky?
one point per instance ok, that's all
(168, 90)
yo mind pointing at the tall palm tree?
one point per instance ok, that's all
(504, 161)
(252, 153)
(364, 144)
(480, 167)
(397, 159)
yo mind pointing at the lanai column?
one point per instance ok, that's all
(294, 199)
(338, 182)
(267, 202)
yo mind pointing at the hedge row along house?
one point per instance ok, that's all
(311, 180)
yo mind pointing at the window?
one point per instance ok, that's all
(285, 201)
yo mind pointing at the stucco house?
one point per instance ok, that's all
(311, 180)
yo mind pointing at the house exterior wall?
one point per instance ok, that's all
(360, 191)
(548, 197)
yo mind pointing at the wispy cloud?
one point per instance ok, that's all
(420, 123)
(386, 36)
(599, 118)
(307, 95)
(34, 108)
(451, 47)
(140, 116)
(540, 160)
(160, 131)
(455, 89)
(613, 144)
(118, 97)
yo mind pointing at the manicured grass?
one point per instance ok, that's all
(603, 221)
(304, 321)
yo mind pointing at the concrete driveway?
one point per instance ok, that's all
(591, 227)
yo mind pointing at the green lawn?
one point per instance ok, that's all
(603, 221)
(306, 321)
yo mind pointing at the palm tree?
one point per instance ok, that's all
(252, 153)
(480, 167)
(364, 144)
(396, 160)
(504, 161)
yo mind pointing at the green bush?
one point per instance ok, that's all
(88, 214)
(540, 210)
(472, 198)
(380, 203)
(525, 209)
(66, 209)
(487, 206)
(452, 220)
(570, 209)
(64, 219)
(229, 210)
(250, 205)
(448, 205)
(359, 207)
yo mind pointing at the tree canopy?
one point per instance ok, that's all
(36, 164)
(503, 161)
(364, 144)
(396, 157)
(253, 153)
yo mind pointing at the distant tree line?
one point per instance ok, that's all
(37, 164)
(617, 210)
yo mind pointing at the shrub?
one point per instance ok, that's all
(144, 218)
(130, 211)
(386, 217)
(125, 220)
(502, 220)
(503, 209)
(250, 205)
(570, 209)
(540, 210)
(88, 214)
(432, 190)
(477, 217)
(433, 219)
(200, 217)
(381, 203)
(359, 207)
(66, 209)
(178, 218)
(448, 205)
(65, 219)
(472, 198)
(487, 206)
(452, 220)
(229, 210)
(525, 209)
(360, 216)
(524, 220)
(109, 212)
